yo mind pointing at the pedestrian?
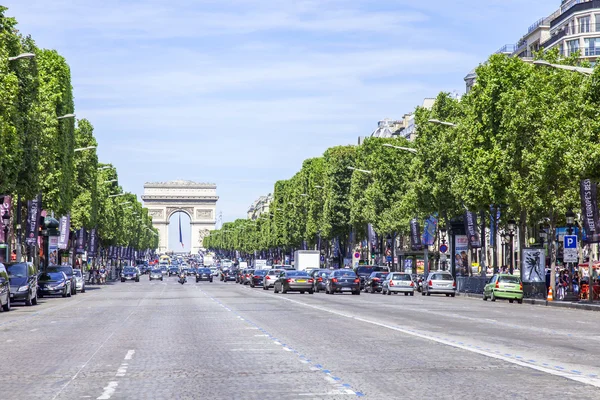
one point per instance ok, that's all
(576, 283)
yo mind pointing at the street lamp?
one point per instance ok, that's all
(125, 202)
(21, 56)
(85, 148)
(409, 149)
(111, 181)
(105, 167)
(360, 170)
(512, 226)
(66, 116)
(319, 187)
(437, 121)
(581, 70)
(542, 234)
(117, 195)
(570, 216)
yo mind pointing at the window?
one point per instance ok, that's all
(592, 47)
(573, 46)
(597, 25)
(584, 24)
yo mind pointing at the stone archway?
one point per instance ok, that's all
(198, 200)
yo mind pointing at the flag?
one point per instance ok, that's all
(180, 235)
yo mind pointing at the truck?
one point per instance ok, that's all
(209, 260)
(305, 260)
(260, 264)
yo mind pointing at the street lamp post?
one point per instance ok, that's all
(511, 233)
(21, 56)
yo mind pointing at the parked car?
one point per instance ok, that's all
(342, 280)
(293, 281)
(173, 271)
(204, 274)
(374, 281)
(439, 282)
(257, 277)
(270, 278)
(398, 282)
(23, 282)
(130, 274)
(156, 274)
(504, 286)
(4, 288)
(68, 270)
(320, 278)
(54, 282)
(79, 280)
(364, 271)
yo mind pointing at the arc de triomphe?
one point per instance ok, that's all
(198, 200)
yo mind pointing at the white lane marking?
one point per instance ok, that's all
(109, 390)
(592, 381)
(129, 354)
(10, 340)
(33, 330)
(261, 335)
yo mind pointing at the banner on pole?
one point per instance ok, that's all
(34, 208)
(471, 229)
(63, 228)
(415, 235)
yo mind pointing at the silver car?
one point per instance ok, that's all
(270, 278)
(156, 274)
(398, 282)
(440, 282)
(79, 281)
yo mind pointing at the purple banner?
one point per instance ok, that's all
(471, 229)
(589, 210)
(81, 239)
(34, 208)
(372, 239)
(92, 244)
(415, 235)
(64, 228)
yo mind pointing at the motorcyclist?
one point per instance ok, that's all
(182, 277)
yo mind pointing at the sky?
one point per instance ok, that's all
(241, 92)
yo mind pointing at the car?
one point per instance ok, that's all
(23, 282)
(257, 277)
(214, 271)
(398, 282)
(204, 274)
(130, 274)
(79, 280)
(143, 268)
(294, 281)
(439, 282)
(364, 271)
(173, 271)
(374, 281)
(164, 270)
(320, 277)
(504, 286)
(68, 270)
(156, 274)
(191, 271)
(270, 278)
(284, 266)
(342, 280)
(54, 282)
(4, 288)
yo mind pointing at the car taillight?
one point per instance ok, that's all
(288, 280)
(453, 284)
(497, 285)
(521, 285)
(256, 276)
(376, 279)
(412, 284)
(268, 277)
(391, 283)
(430, 283)
(320, 280)
(334, 280)
(310, 281)
(357, 280)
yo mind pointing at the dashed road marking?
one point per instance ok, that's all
(109, 390)
(33, 330)
(129, 354)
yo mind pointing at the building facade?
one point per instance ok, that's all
(260, 206)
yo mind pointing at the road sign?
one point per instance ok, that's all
(388, 252)
(388, 258)
(444, 248)
(443, 257)
(357, 255)
(570, 248)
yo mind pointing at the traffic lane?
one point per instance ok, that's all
(183, 344)
(501, 327)
(374, 350)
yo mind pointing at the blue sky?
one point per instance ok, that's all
(240, 92)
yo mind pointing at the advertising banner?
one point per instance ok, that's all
(92, 243)
(80, 243)
(430, 230)
(373, 240)
(63, 228)
(415, 235)
(53, 250)
(5, 206)
(471, 229)
(589, 209)
(534, 265)
(34, 208)
(461, 246)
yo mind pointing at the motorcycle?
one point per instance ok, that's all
(182, 279)
(102, 279)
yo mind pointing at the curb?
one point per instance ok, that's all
(537, 302)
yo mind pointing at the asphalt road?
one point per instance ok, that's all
(162, 340)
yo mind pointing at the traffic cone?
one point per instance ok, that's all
(549, 298)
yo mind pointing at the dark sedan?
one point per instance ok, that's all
(23, 282)
(320, 278)
(191, 271)
(204, 274)
(173, 271)
(343, 280)
(257, 277)
(68, 270)
(293, 281)
(374, 282)
(52, 283)
(130, 274)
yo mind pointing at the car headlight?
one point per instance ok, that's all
(23, 288)
(60, 285)
(121, 274)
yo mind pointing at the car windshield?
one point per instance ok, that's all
(50, 276)
(204, 270)
(401, 277)
(77, 273)
(364, 270)
(510, 279)
(64, 268)
(128, 270)
(260, 272)
(349, 274)
(297, 273)
(441, 277)
(274, 271)
(156, 271)
(17, 270)
(379, 274)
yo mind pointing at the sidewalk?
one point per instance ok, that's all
(537, 302)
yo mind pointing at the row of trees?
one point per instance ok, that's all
(522, 139)
(37, 147)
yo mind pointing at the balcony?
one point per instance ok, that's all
(555, 38)
(506, 49)
(573, 7)
(591, 51)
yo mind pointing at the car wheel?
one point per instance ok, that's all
(511, 301)
(283, 289)
(64, 293)
(28, 300)
(520, 301)
(34, 300)
(122, 280)
(311, 291)
(406, 293)
(357, 293)
(493, 297)
(161, 279)
(6, 307)
(484, 297)
(275, 289)
(422, 293)
(447, 294)
(428, 294)
(316, 290)
(83, 289)
(453, 294)
(412, 293)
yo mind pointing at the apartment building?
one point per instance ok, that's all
(259, 206)
(574, 26)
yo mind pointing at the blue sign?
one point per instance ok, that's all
(388, 258)
(443, 248)
(570, 241)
